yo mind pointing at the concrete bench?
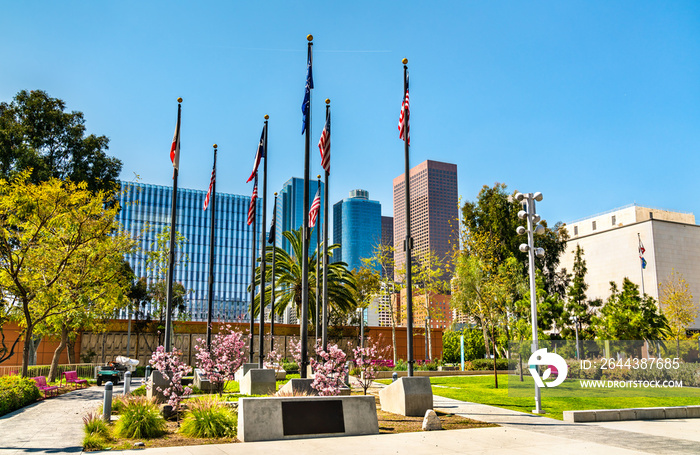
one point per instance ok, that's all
(274, 418)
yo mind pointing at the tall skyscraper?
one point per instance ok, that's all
(433, 207)
(388, 239)
(290, 211)
(357, 228)
(145, 212)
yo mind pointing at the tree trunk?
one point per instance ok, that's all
(427, 327)
(104, 354)
(486, 339)
(70, 353)
(53, 372)
(26, 350)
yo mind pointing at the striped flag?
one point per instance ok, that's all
(641, 254)
(324, 144)
(175, 147)
(315, 208)
(211, 187)
(253, 199)
(307, 90)
(405, 111)
(259, 154)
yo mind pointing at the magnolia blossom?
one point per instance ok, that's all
(273, 361)
(330, 372)
(367, 360)
(172, 369)
(225, 357)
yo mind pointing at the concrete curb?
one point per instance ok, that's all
(611, 415)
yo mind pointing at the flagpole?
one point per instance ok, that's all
(304, 319)
(641, 261)
(272, 297)
(317, 314)
(261, 330)
(324, 336)
(167, 343)
(212, 241)
(408, 243)
(252, 278)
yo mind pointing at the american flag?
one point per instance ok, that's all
(251, 208)
(324, 144)
(641, 253)
(315, 208)
(405, 111)
(211, 187)
(175, 147)
(259, 154)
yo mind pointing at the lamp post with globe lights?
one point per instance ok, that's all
(532, 228)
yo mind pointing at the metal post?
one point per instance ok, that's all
(578, 357)
(128, 334)
(533, 289)
(461, 344)
(272, 296)
(127, 383)
(317, 313)
(304, 319)
(212, 243)
(252, 281)
(107, 402)
(263, 262)
(324, 335)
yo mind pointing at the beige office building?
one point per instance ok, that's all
(611, 249)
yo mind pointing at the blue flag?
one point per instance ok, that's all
(644, 263)
(307, 91)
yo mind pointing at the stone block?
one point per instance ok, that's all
(431, 421)
(243, 370)
(280, 375)
(155, 381)
(298, 387)
(201, 381)
(628, 414)
(579, 416)
(676, 412)
(693, 412)
(650, 413)
(345, 391)
(258, 381)
(275, 418)
(408, 396)
(607, 415)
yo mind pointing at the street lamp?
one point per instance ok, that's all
(574, 319)
(532, 228)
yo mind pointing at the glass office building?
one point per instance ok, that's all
(145, 212)
(357, 227)
(290, 211)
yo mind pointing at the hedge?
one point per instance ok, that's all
(16, 392)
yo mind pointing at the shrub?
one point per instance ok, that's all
(140, 419)
(487, 364)
(290, 366)
(140, 392)
(16, 392)
(473, 345)
(93, 442)
(94, 425)
(208, 419)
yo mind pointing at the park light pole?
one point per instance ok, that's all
(532, 228)
(574, 319)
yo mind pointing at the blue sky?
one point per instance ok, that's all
(595, 104)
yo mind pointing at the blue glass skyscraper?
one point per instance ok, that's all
(357, 227)
(145, 212)
(290, 210)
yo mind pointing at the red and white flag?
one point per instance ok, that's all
(315, 208)
(259, 154)
(324, 144)
(211, 187)
(175, 147)
(405, 111)
(253, 199)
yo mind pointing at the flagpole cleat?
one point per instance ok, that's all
(179, 100)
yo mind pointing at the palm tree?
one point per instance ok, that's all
(342, 286)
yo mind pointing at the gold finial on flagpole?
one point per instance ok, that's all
(275, 194)
(216, 146)
(179, 100)
(267, 116)
(328, 101)
(404, 61)
(318, 176)
(310, 37)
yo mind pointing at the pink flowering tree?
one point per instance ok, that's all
(225, 357)
(173, 370)
(273, 361)
(367, 360)
(330, 372)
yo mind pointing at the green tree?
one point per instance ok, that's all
(579, 310)
(429, 276)
(342, 286)
(628, 316)
(383, 259)
(678, 306)
(37, 135)
(49, 233)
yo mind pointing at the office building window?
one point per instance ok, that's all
(575, 230)
(594, 225)
(613, 220)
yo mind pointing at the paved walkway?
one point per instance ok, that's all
(55, 426)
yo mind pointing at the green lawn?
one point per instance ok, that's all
(480, 389)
